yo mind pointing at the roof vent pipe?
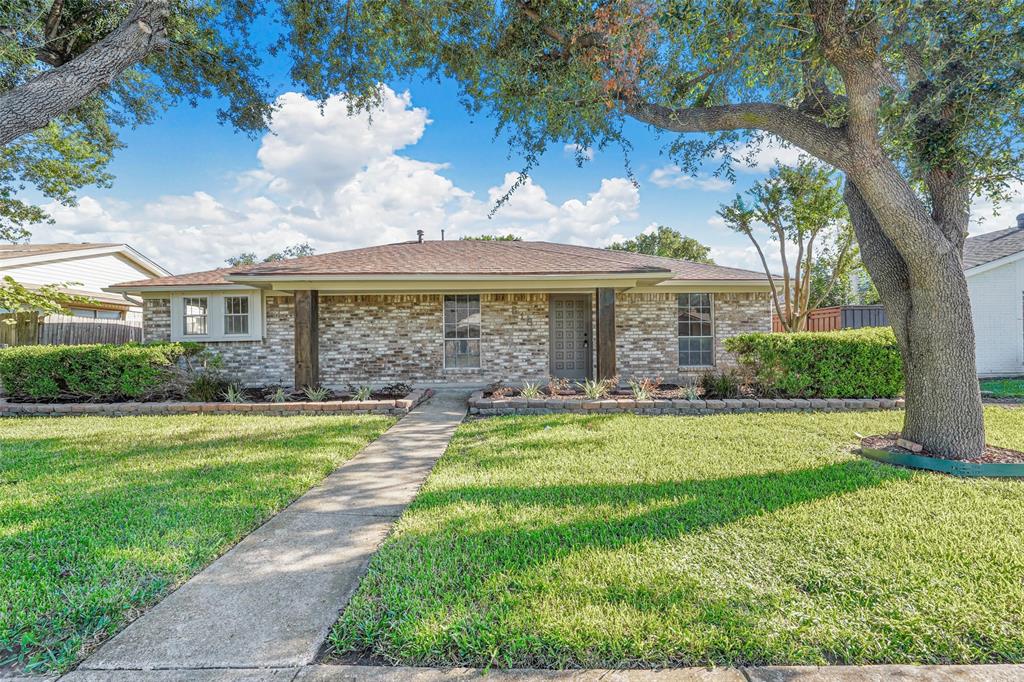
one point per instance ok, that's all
(1020, 221)
(419, 236)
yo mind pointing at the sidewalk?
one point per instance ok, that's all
(270, 601)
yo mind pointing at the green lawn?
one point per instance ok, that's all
(566, 541)
(99, 517)
(1004, 388)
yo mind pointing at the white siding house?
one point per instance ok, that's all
(994, 265)
(89, 266)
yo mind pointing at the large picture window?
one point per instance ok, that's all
(461, 331)
(696, 331)
(236, 315)
(196, 318)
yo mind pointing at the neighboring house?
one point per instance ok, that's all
(459, 312)
(93, 266)
(994, 265)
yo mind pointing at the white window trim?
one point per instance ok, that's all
(215, 316)
(479, 339)
(714, 336)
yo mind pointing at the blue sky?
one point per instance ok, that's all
(190, 192)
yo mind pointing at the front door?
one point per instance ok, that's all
(569, 333)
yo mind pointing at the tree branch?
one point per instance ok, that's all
(828, 144)
(51, 94)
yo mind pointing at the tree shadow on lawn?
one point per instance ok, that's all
(503, 539)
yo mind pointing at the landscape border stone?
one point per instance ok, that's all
(489, 406)
(397, 408)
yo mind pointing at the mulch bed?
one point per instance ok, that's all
(991, 455)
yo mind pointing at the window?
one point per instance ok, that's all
(216, 316)
(236, 314)
(195, 308)
(461, 331)
(696, 331)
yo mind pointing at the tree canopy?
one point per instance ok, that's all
(294, 251)
(664, 241)
(72, 72)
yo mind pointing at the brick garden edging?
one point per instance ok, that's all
(397, 408)
(487, 407)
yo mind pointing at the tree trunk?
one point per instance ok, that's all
(929, 309)
(51, 94)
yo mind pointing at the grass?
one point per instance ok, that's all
(100, 517)
(608, 541)
(1004, 388)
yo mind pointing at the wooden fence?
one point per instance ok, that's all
(841, 317)
(66, 330)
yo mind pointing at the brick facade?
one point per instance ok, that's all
(646, 342)
(386, 338)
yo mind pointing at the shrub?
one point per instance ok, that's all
(97, 372)
(720, 385)
(596, 389)
(855, 363)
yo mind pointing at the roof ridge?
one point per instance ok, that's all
(600, 253)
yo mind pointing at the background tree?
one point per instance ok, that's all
(665, 241)
(919, 104)
(802, 207)
(494, 238)
(48, 299)
(249, 258)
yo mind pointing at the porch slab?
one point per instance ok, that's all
(270, 601)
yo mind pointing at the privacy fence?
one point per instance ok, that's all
(28, 329)
(841, 317)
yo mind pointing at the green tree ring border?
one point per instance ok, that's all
(945, 466)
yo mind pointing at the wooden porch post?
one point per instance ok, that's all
(307, 338)
(605, 333)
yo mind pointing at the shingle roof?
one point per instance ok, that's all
(986, 248)
(468, 258)
(21, 250)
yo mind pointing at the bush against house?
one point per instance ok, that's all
(856, 363)
(100, 372)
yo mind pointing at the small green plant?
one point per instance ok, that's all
(279, 396)
(316, 394)
(234, 394)
(643, 389)
(690, 390)
(205, 388)
(719, 385)
(362, 393)
(530, 390)
(596, 388)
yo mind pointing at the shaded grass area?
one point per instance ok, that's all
(608, 541)
(99, 517)
(1004, 388)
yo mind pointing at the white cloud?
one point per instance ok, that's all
(673, 176)
(338, 182)
(761, 156)
(571, 151)
(987, 216)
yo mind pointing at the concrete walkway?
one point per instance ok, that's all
(270, 601)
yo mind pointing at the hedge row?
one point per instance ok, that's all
(854, 363)
(97, 372)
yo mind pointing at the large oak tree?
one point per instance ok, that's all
(917, 102)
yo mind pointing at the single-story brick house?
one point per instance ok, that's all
(468, 312)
